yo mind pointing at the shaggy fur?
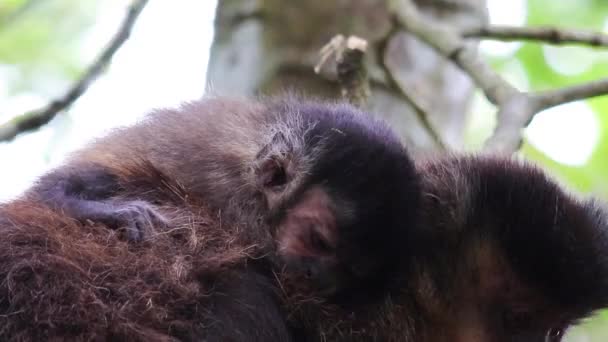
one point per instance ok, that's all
(503, 254)
(62, 280)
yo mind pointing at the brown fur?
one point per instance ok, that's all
(217, 149)
(65, 280)
(212, 148)
(255, 163)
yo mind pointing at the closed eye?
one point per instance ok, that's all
(317, 242)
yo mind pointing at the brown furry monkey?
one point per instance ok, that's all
(62, 280)
(332, 186)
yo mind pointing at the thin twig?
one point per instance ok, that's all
(515, 109)
(350, 67)
(552, 98)
(423, 115)
(420, 111)
(448, 43)
(352, 73)
(551, 35)
(35, 119)
(516, 115)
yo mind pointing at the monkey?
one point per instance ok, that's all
(326, 181)
(63, 279)
(502, 253)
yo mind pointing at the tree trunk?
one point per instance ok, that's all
(269, 46)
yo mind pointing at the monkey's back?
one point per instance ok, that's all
(61, 279)
(206, 145)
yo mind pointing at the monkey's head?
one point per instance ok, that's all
(343, 196)
(505, 255)
(510, 255)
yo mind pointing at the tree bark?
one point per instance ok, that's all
(269, 46)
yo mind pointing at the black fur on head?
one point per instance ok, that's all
(538, 253)
(502, 254)
(366, 170)
(556, 241)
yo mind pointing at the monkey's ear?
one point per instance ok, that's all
(273, 164)
(272, 173)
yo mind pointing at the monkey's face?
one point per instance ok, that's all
(341, 196)
(307, 241)
(318, 254)
(301, 217)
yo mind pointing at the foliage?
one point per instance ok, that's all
(40, 40)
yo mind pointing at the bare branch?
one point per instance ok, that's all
(551, 35)
(350, 68)
(516, 115)
(515, 108)
(35, 119)
(423, 115)
(552, 98)
(512, 117)
(421, 111)
(352, 72)
(448, 43)
(352, 76)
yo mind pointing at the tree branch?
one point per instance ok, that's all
(551, 35)
(350, 67)
(422, 114)
(552, 98)
(35, 119)
(448, 43)
(517, 114)
(515, 109)
(420, 111)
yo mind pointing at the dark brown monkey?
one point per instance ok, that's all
(334, 188)
(502, 254)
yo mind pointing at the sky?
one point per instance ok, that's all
(164, 63)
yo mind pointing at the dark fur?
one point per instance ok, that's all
(503, 254)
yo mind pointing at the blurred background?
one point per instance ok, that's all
(46, 45)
